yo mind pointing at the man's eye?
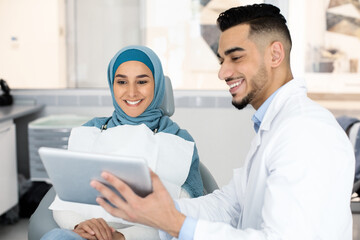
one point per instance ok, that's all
(235, 58)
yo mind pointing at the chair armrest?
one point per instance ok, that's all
(356, 187)
(42, 221)
(208, 180)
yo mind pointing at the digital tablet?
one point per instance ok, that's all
(71, 173)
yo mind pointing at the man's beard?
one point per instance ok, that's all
(245, 101)
(258, 83)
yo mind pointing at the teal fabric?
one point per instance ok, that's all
(152, 117)
(132, 55)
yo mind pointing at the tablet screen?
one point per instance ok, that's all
(71, 173)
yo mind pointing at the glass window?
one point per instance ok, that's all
(69, 43)
(183, 33)
(97, 29)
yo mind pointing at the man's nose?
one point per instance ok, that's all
(225, 71)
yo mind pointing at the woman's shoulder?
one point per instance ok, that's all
(169, 126)
(97, 122)
(186, 135)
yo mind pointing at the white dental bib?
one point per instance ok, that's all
(166, 154)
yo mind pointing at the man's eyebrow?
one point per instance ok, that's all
(231, 50)
(234, 49)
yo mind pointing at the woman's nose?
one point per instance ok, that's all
(132, 90)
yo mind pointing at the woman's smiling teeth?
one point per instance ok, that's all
(132, 102)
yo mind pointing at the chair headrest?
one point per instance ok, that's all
(167, 104)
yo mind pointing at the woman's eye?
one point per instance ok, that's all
(142, 82)
(235, 58)
(121, 82)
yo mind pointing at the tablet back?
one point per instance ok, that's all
(71, 173)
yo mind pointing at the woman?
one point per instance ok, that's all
(137, 86)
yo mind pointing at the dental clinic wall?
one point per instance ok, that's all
(33, 43)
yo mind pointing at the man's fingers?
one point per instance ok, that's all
(110, 209)
(108, 194)
(156, 182)
(129, 209)
(119, 185)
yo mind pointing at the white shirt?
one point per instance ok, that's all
(296, 182)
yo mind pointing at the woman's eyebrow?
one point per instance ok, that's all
(138, 76)
(142, 76)
(121, 76)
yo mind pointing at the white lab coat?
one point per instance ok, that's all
(296, 182)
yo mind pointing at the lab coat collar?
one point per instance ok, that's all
(291, 88)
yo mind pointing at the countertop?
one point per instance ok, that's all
(16, 111)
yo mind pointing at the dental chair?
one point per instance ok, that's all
(42, 219)
(352, 128)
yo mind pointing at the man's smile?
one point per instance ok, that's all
(234, 86)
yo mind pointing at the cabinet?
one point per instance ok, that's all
(8, 170)
(51, 131)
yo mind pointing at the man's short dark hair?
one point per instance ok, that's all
(260, 17)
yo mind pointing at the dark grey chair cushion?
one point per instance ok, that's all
(42, 219)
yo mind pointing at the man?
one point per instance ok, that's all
(297, 179)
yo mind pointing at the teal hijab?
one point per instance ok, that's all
(153, 117)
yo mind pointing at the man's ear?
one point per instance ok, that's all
(277, 53)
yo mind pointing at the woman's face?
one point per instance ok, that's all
(133, 87)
